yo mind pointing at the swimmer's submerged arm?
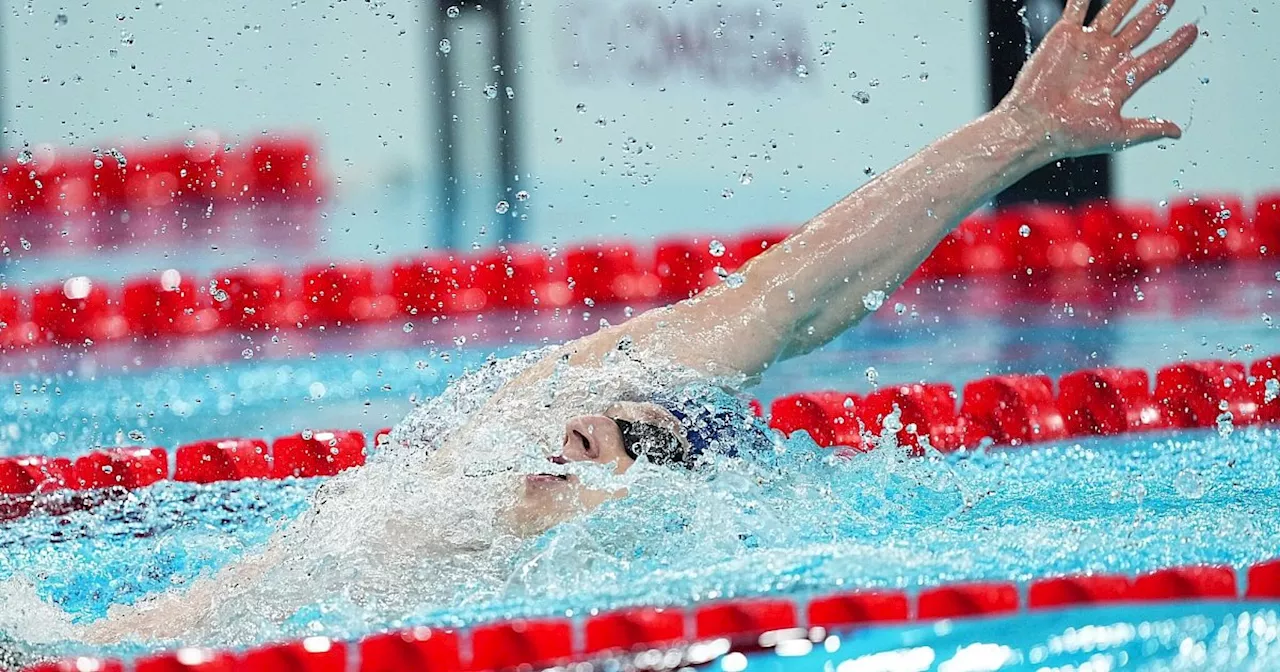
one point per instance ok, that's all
(802, 293)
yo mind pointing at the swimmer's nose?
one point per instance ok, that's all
(579, 444)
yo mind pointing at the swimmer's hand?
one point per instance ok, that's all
(1081, 75)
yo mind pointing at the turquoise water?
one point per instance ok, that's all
(797, 524)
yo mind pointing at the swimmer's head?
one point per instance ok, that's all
(671, 433)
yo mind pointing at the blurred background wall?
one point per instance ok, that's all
(630, 117)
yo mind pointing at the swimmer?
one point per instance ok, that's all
(645, 390)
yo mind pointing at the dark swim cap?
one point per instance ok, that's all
(715, 426)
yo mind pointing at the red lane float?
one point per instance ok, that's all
(323, 453)
(967, 599)
(1196, 394)
(255, 299)
(410, 650)
(188, 660)
(733, 619)
(313, 654)
(168, 303)
(75, 311)
(847, 609)
(610, 273)
(924, 410)
(1073, 590)
(1013, 410)
(130, 468)
(1266, 388)
(1108, 401)
(1213, 228)
(522, 642)
(338, 294)
(683, 268)
(829, 417)
(222, 460)
(21, 477)
(1264, 581)
(624, 630)
(1185, 583)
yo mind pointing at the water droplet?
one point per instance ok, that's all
(899, 308)
(581, 108)
(452, 12)
(873, 83)
(24, 157)
(873, 299)
(1024, 231)
(1162, 9)
(490, 91)
(727, 193)
(502, 207)
(825, 48)
(1271, 390)
(1222, 233)
(26, 244)
(459, 341)
(716, 248)
(924, 76)
(745, 178)
(247, 353)
(137, 436)
(511, 93)
(220, 296)
(734, 280)
(590, 302)
(60, 20)
(307, 434)
(522, 195)
(802, 71)
(408, 327)
(848, 403)
(862, 97)
(1130, 78)
(1225, 424)
(445, 46)
(1204, 80)
(1188, 484)
(873, 376)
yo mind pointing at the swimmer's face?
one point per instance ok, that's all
(547, 499)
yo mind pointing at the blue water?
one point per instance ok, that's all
(800, 526)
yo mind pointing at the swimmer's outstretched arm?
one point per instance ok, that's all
(800, 294)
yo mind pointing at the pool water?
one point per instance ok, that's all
(799, 523)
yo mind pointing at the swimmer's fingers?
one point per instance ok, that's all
(1075, 11)
(1138, 131)
(1162, 56)
(1108, 20)
(1140, 28)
